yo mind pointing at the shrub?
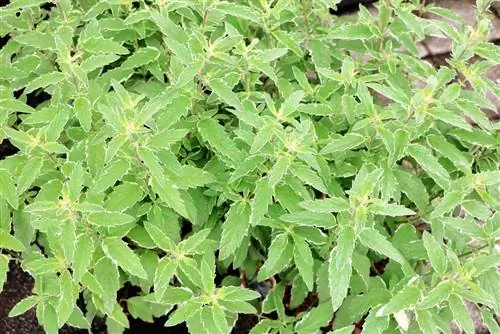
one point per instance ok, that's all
(196, 152)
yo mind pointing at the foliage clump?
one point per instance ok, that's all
(193, 148)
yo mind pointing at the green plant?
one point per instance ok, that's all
(186, 142)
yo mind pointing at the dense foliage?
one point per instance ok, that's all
(187, 150)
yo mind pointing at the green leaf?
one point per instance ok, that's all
(489, 51)
(160, 238)
(437, 295)
(460, 159)
(164, 272)
(435, 253)
(175, 295)
(234, 229)
(372, 239)
(333, 204)
(118, 251)
(430, 164)
(47, 79)
(192, 243)
(261, 201)
(405, 298)
(83, 256)
(97, 61)
(307, 218)
(340, 267)
(389, 209)
(347, 142)
(460, 314)
(238, 293)
(237, 306)
(351, 32)
(8, 189)
(279, 254)
(141, 57)
(4, 267)
(425, 321)
(15, 105)
(413, 187)
(7, 241)
(24, 305)
(29, 174)
(101, 45)
(262, 138)
(291, 103)
(208, 320)
(83, 111)
(303, 259)
(67, 299)
(226, 94)
(239, 11)
(315, 319)
(278, 171)
(186, 311)
(215, 135)
(109, 218)
(287, 41)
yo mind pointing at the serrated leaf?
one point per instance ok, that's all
(303, 259)
(389, 209)
(215, 135)
(262, 138)
(4, 267)
(183, 313)
(118, 251)
(165, 270)
(489, 51)
(430, 164)
(435, 253)
(238, 293)
(261, 201)
(239, 11)
(24, 305)
(437, 295)
(347, 142)
(161, 239)
(333, 204)
(371, 238)
(47, 79)
(307, 218)
(8, 189)
(109, 218)
(291, 103)
(234, 229)
(278, 171)
(413, 187)
(425, 321)
(340, 267)
(7, 241)
(98, 61)
(83, 256)
(101, 45)
(461, 314)
(403, 299)
(288, 41)
(316, 318)
(141, 57)
(83, 111)
(279, 255)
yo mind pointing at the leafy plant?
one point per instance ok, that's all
(175, 146)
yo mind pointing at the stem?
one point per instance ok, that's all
(472, 251)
